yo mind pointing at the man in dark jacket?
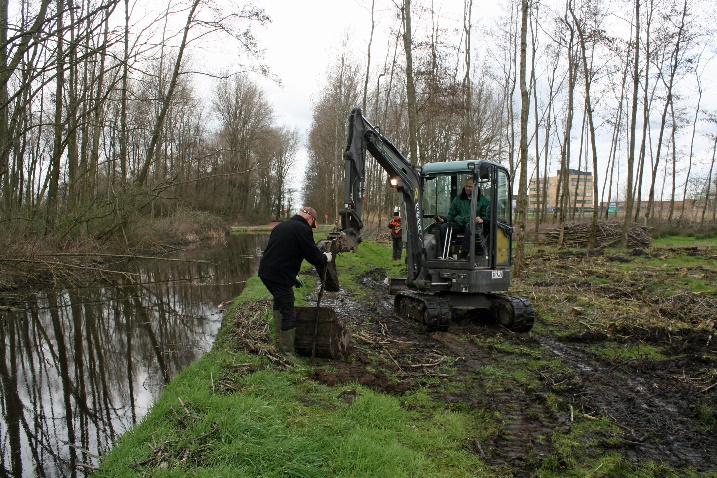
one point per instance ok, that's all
(289, 244)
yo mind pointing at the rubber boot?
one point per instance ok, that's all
(277, 327)
(286, 341)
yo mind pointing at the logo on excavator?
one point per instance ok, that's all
(497, 274)
(417, 212)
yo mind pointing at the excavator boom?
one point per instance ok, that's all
(362, 137)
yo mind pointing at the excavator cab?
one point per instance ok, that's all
(486, 269)
(442, 183)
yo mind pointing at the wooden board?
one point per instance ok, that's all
(320, 333)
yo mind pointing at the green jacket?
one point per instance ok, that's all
(460, 210)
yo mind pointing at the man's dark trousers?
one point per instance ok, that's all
(283, 302)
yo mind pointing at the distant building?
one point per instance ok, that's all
(580, 181)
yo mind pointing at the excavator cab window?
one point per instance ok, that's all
(438, 193)
(436, 197)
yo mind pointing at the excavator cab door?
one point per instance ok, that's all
(493, 182)
(502, 219)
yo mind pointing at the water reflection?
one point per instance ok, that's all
(79, 366)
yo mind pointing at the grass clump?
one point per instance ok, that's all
(275, 424)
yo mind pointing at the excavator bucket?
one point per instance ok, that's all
(344, 241)
(337, 241)
(329, 276)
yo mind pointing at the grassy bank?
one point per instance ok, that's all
(31, 262)
(472, 402)
(234, 413)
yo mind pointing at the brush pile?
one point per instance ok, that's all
(608, 234)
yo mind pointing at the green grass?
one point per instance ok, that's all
(272, 422)
(620, 352)
(278, 424)
(690, 240)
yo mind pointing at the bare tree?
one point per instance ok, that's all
(245, 116)
(632, 131)
(524, 111)
(587, 75)
(323, 178)
(668, 80)
(410, 83)
(708, 186)
(167, 96)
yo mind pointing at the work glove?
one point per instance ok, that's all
(298, 282)
(329, 256)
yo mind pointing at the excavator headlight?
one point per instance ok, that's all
(394, 182)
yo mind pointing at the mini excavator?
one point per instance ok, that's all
(438, 281)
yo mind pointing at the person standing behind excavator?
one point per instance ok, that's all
(396, 236)
(289, 244)
(459, 215)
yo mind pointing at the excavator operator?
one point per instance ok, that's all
(459, 216)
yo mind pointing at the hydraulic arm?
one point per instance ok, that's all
(362, 137)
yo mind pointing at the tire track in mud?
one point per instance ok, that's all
(523, 419)
(647, 400)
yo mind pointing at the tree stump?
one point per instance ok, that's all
(320, 333)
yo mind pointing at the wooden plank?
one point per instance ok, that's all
(320, 332)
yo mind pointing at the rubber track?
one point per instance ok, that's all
(524, 315)
(435, 312)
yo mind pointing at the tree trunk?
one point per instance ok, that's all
(123, 140)
(54, 171)
(368, 58)
(709, 179)
(524, 110)
(675, 57)
(410, 84)
(692, 141)
(167, 100)
(565, 156)
(587, 74)
(633, 127)
(6, 182)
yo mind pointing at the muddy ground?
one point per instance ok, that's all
(608, 348)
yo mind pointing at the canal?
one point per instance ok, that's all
(83, 362)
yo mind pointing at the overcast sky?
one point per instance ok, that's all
(304, 38)
(300, 42)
